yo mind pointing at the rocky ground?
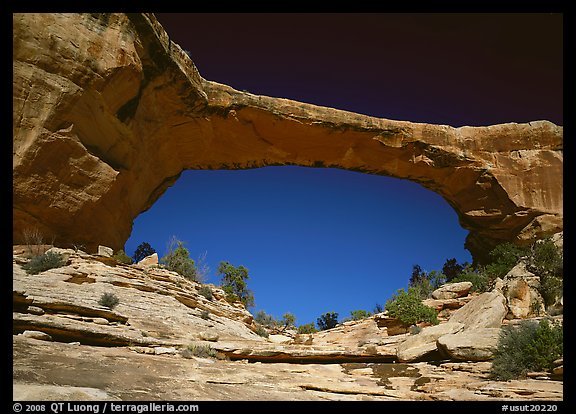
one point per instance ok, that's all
(66, 346)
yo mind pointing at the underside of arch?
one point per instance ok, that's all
(108, 112)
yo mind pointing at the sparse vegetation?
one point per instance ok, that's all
(327, 320)
(205, 315)
(122, 257)
(425, 283)
(265, 319)
(34, 242)
(200, 351)
(307, 328)
(359, 314)
(109, 300)
(547, 262)
(478, 277)
(407, 307)
(206, 292)
(288, 320)
(261, 331)
(178, 260)
(530, 346)
(43, 262)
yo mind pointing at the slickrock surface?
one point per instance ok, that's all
(108, 112)
(66, 346)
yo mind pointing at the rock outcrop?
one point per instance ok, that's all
(68, 346)
(108, 112)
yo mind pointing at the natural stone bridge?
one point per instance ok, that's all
(108, 112)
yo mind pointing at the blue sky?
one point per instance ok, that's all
(319, 240)
(313, 240)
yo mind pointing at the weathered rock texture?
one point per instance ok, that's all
(108, 112)
(67, 346)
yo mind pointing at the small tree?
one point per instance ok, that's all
(143, 250)
(503, 258)
(178, 260)
(234, 282)
(288, 320)
(327, 320)
(452, 269)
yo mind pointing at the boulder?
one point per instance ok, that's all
(417, 346)
(484, 311)
(42, 336)
(478, 344)
(394, 326)
(105, 251)
(452, 290)
(280, 339)
(151, 260)
(520, 287)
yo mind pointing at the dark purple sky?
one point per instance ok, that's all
(455, 69)
(319, 240)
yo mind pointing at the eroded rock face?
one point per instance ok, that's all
(108, 112)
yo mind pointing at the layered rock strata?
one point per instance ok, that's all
(108, 112)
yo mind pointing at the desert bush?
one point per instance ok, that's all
(407, 307)
(200, 351)
(288, 320)
(529, 346)
(34, 242)
(205, 314)
(307, 328)
(359, 314)
(206, 292)
(122, 257)
(327, 320)
(265, 319)
(425, 283)
(109, 300)
(261, 331)
(178, 260)
(48, 260)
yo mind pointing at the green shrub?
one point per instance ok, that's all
(178, 260)
(288, 320)
(206, 292)
(109, 300)
(478, 277)
(359, 314)
(49, 260)
(407, 307)
(503, 258)
(530, 346)
(122, 257)
(308, 328)
(547, 262)
(261, 331)
(327, 320)
(264, 319)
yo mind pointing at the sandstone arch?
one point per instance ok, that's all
(108, 112)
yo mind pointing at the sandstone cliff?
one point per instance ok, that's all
(108, 112)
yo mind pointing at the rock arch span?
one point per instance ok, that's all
(108, 112)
